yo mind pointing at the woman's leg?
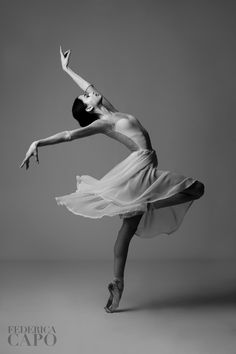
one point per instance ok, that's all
(121, 247)
(195, 191)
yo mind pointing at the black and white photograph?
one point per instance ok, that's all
(117, 177)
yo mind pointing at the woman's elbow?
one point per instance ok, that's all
(68, 136)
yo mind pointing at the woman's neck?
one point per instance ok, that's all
(102, 111)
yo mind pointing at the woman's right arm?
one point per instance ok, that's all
(96, 127)
(53, 139)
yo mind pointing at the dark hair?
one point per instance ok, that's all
(83, 117)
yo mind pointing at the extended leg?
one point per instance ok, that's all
(195, 191)
(121, 247)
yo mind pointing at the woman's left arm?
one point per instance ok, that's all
(82, 83)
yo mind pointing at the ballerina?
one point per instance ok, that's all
(149, 201)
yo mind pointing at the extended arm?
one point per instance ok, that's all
(98, 126)
(54, 139)
(82, 83)
(33, 149)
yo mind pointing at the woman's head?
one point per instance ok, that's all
(83, 113)
(91, 99)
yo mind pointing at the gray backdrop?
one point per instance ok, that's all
(171, 64)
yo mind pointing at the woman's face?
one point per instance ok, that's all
(91, 99)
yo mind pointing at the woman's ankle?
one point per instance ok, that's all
(120, 279)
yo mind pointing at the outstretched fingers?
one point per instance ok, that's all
(36, 155)
(27, 160)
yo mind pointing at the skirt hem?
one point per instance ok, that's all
(132, 187)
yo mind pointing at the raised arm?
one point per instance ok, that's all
(82, 83)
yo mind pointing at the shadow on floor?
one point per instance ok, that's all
(219, 299)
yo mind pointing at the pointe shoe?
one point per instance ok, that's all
(116, 289)
(109, 302)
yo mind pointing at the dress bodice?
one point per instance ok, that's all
(129, 132)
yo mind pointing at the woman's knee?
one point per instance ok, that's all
(131, 224)
(199, 189)
(196, 190)
(126, 232)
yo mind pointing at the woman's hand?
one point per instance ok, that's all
(32, 151)
(64, 58)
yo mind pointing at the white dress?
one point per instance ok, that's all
(133, 186)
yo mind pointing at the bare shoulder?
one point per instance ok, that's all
(126, 120)
(96, 127)
(100, 125)
(136, 121)
(128, 117)
(118, 122)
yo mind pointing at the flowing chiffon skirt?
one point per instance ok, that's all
(134, 186)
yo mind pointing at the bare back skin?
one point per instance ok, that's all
(126, 129)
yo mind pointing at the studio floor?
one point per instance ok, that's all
(168, 307)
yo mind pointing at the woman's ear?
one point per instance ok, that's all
(89, 108)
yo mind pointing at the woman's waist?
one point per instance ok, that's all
(147, 155)
(150, 149)
(146, 149)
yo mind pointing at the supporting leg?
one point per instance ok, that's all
(121, 247)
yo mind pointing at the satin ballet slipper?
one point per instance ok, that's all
(109, 302)
(116, 289)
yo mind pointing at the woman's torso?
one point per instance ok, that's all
(126, 129)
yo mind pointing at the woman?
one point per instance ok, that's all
(148, 200)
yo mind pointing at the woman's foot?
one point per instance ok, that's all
(109, 302)
(116, 289)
